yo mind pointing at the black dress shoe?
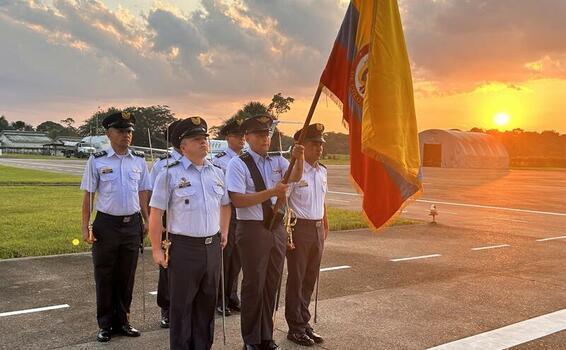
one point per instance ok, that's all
(227, 311)
(103, 335)
(251, 347)
(314, 336)
(269, 345)
(164, 322)
(234, 307)
(129, 331)
(300, 338)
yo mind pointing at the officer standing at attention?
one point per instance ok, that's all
(163, 282)
(234, 135)
(194, 193)
(254, 185)
(121, 178)
(306, 199)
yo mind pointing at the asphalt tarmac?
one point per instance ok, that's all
(489, 275)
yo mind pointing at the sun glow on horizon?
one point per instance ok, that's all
(501, 119)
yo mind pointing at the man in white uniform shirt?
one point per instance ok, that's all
(306, 198)
(193, 191)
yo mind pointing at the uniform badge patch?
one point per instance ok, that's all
(302, 183)
(184, 183)
(106, 170)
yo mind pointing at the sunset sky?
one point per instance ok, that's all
(474, 62)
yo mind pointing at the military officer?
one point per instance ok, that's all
(234, 135)
(194, 193)
(306, 199)
(163, 282)
(254, 185)
(121, 179)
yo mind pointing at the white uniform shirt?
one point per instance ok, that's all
(118, 180)
(239, 180)
(195, 197)
(223, 160)
(307, 196)
(161, 163)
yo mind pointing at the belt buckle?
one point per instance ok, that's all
(318, 223)
(126, 219)
(208, 240)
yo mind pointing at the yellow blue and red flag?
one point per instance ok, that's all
(368, 74)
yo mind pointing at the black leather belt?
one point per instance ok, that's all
(200, 240)
(316, 223)
(121, 218)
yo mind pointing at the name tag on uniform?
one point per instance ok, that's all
(106, 170)
(184, 183)
(278, 171)
(302, 183)
(219, 184)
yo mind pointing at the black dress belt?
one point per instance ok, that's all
(199, 240)
(316, 223)
(121, 218)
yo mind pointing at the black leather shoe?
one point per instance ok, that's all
(234, 307)
(103, 335)
(129, 331)
(314, 336)
(300, 338)
(164, 322)
(269, 345)
(227, 311)
(251, 347)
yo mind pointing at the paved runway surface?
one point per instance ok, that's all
(489, 275)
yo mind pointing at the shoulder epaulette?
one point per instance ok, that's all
(322, 165)
(220, 155)
(165, 156)
(100, 154)
(138, 154)
(173, 164)
(218, 166)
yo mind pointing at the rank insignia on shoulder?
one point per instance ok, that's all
(172, 164)
(106, 170)
(220, 155)
(165, 156)
(302, 183)
(184, 183)
(138, 154)
(322, 165)
(100, 154)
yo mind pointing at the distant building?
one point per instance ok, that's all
(461, 149)
(13, 141)
(62, 145)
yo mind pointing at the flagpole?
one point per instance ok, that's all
(279, 202)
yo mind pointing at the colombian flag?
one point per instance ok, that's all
(368, 74)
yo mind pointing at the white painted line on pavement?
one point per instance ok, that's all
(344, 193)
(550, 239)
(337, 200)
(432, 201)
(492, 247)
(335, 268)
(492, 207)
(416, 257)
(153, 293)
(512, 335)
(514, 220)
(29, 311)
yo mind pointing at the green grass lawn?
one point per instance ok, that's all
(336, 159)
(32, 156)
(45, 219)
(11, 175)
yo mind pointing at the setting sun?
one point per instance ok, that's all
(502, 119)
